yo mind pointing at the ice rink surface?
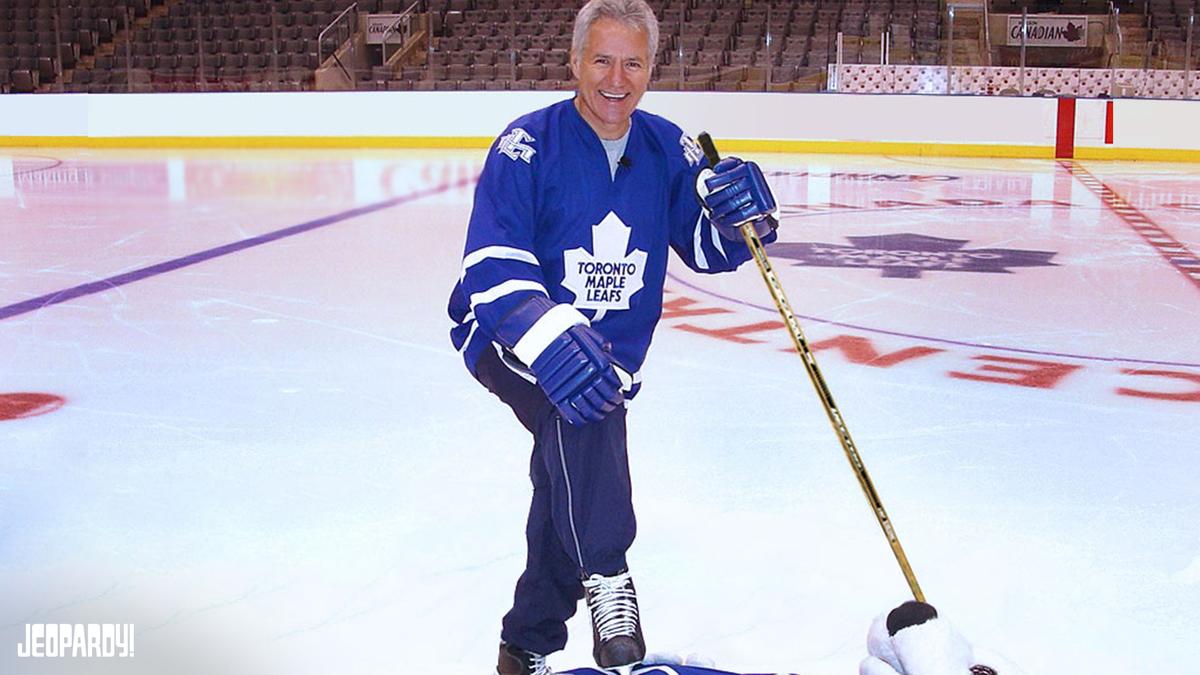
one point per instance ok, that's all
(232, 417)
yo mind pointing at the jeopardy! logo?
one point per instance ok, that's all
(907, 256)
(77, 640)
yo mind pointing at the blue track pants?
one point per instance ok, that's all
(581, 518)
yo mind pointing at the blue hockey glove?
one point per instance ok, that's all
(735, 192)
(572, 363)
(576, 372)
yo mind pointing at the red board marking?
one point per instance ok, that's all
(1108, 123)
(24, 404)
(1183, 259)
(1064, 147)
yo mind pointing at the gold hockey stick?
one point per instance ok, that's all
(814, 373)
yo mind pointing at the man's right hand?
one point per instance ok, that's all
(572, 362)
(576, 372)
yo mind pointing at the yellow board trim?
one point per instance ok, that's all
(890, 148)
(471, 142)
(248, 142)
(1139, 154)
(468, 142)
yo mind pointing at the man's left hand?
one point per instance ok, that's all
(735, 192)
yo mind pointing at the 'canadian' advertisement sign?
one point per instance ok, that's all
(1048, 31)
(395, 26)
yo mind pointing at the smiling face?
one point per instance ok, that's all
(613, 72)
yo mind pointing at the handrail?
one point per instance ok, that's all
(333, 24)
(987, 30)
(58, 45)
(837, 71)
(679, 59)
(127, 15)
(1024, 39)
(412, 9)
(950, 50)
(1117, 28)
(768, 40)
(321, 39)
(200, 52)
(1187, 57)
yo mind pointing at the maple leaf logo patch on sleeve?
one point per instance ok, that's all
(606, 278)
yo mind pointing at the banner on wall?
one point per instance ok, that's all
(1048, 31)
(396, 26)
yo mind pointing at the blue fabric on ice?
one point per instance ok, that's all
(660, 670)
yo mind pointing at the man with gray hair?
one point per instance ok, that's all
(560, 290)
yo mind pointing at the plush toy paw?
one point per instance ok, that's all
(913, 640)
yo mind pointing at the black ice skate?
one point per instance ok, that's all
(616, 629)
(516, 661)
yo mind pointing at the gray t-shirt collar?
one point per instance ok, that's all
(615, 149)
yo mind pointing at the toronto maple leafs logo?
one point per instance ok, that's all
(515, 145)
(609, 276)
(691, 150)
(907, 256)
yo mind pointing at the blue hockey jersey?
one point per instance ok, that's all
(549, 217)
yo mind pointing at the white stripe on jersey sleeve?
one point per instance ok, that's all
(627, 380)
(716, 240)
(470, 334)
(502, 289)
(496, 252)
(701, 260)
(543, 331)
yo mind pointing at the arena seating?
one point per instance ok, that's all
(725, 45)
(40, 40)
(105, 46)
(1167, 23)
(189, 45)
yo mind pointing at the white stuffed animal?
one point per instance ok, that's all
(913, 640)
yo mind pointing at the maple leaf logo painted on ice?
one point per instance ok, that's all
(608, 277)
(906, 256)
